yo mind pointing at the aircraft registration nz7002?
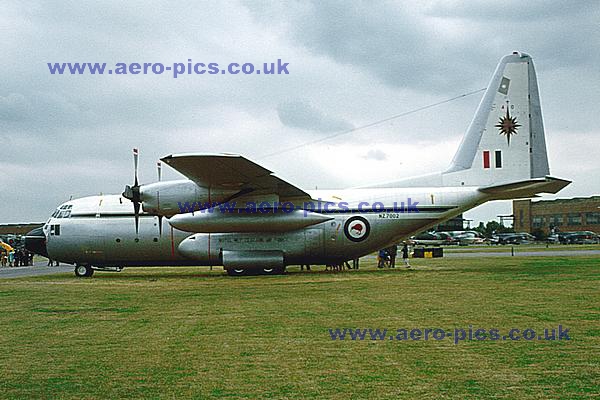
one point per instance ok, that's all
(502, 156)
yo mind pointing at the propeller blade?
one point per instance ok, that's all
(136, 211)
(135, 166)
(133, 193)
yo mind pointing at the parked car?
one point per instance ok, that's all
(447, 239)
(513, 238)
(581, 237)
(553, 239)
(465, 238)
(433, 239)
(561, 236)
(499, 238)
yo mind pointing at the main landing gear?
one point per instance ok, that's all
(84, 271)
(261, 271)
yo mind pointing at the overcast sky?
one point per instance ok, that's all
(350, 64)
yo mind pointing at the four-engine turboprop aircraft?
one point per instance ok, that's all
(502, 156)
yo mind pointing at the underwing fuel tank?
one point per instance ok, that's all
(215, 221)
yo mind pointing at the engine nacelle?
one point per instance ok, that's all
(174, 197)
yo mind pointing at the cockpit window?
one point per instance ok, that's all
(63, 211)
(64, 214)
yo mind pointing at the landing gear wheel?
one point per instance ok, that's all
(83, 271)
(236, 271)
(272, 271)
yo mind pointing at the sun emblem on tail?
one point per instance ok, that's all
(508, 125)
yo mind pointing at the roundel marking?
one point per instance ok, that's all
(357, 229)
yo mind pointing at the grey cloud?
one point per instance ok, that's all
(436, 48)
(300, 114)
(512, 10)
(14, 107)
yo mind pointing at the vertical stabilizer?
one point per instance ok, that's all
(505, 141)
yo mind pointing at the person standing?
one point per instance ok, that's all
(381, 258)
(393, 252)
(405, 255)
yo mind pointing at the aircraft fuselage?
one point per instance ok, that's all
(100, 231)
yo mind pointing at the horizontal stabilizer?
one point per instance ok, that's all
(526, 188)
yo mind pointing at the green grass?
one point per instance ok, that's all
(193, 333)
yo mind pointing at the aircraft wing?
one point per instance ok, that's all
(232, 171)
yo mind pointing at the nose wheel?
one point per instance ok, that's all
(82, 271)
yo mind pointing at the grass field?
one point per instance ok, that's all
(181, 333)
(520, 247)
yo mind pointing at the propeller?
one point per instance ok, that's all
(159, 171)
(133, 192)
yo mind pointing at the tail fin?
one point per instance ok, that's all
(503, 153)
(505, 141)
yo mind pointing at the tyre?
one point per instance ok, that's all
(272, 271)
(83, 271)
(236, 272)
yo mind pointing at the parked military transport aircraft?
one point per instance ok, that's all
(502, 156)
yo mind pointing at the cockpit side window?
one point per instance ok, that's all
(55, 230)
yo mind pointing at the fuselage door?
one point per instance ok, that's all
(313, 242)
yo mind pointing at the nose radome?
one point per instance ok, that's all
(35, 242)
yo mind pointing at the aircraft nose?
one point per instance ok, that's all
(35, 242)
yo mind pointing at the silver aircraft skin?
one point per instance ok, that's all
(502, 156)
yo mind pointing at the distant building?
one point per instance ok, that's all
(455, 224)
(576, 214)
